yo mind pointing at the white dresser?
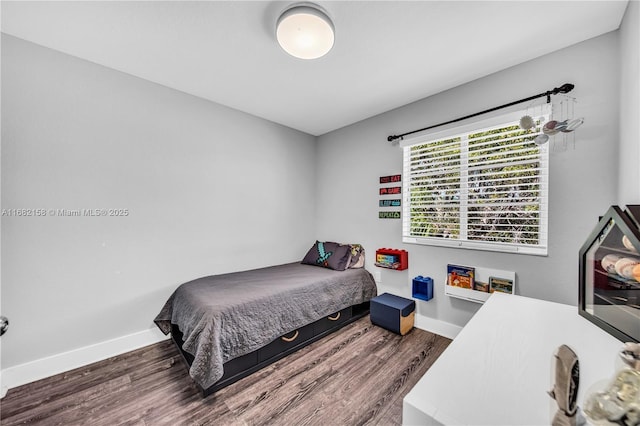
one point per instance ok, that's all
(498, 369)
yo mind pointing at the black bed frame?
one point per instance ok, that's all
(245, 365)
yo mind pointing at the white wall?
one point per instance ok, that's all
(629, 171)
(582, 179)
(209, 190)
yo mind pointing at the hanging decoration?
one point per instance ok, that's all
(562, 123)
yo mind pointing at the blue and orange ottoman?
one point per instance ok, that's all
(393, 312)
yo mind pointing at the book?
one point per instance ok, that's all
(481, 286)
(503, 285)
(460, 276)
(386, 258)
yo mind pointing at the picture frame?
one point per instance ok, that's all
(503, 285)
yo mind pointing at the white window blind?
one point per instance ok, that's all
(482, 186)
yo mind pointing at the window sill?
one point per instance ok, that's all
(477, 245)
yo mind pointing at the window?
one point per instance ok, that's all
(480, 186)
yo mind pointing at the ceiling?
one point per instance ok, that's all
(387, 53)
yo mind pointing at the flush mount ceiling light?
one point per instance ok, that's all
(305, 31)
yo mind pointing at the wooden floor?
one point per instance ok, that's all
(355, 376)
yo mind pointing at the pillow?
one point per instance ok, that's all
(328, 255)
(357, 256)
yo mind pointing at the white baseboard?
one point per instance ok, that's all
(45, 367)
(442, 328)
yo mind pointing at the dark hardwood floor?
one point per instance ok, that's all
(355, 376)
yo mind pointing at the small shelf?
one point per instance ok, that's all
(481, 274)
(392, 259)
(467, 294)
(622, 250)
(422, 288)
(618, 281)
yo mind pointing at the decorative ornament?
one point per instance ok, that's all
(573, 124)
(527, 122)
(565, 388)
(541, 139)
(549, 128)
(619, 403)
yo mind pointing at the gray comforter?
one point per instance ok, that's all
(225, 316)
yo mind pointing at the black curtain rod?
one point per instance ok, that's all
(565, 88)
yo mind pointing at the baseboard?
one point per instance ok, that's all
(45, 367)
(442, 328)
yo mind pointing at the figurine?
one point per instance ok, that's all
(565, 389)
(619, 404)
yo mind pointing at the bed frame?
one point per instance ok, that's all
(245, 365)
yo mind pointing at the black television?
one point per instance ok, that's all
(609, 278)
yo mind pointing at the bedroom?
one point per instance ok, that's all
(192, 174)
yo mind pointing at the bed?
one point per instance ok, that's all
(231, 325)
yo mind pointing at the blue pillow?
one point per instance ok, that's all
(328, 255)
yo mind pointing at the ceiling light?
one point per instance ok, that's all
(305, 31)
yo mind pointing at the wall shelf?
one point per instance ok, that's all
(392, 259)
(422, 288)
(466, 294)
(482, 275)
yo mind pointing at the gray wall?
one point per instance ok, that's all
(583, 178)
(209, 190)
(629, 171)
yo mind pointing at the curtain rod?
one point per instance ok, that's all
(565, 88)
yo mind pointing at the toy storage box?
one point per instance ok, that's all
(393, 312)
